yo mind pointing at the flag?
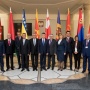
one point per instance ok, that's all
(80, 30)
(37, 31)
(47, 28)
(58, 27)
(68, 26)
(0, 29)
(24, 25)
(11, 26)
(89, 30)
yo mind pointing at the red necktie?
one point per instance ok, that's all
(9, 42)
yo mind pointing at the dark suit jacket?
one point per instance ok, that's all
(78, 47)
(43, 48)
(86, 51)
(62, 46)
(52, 47)
(33, 49)
(24, 49)
(9, 49)
(69, 45)
(17, 44)
(2, 47)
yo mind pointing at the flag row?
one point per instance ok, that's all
(80, 28)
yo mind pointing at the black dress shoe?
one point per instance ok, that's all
(52, 68)
(19, 67)
(83, 71)
(45, 69)
(64, 68)
(33, 69)
(89, 73)
(3, 70)
(36, 69)
(41, 69)
(7, 69)
(48, 68)
(23, 69)
(28, 69)
(12, 68)
(71, 69)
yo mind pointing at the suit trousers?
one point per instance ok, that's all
(7, 60)
(25, 61)
(51, 57)
(77, 60)
(1, 62)
(34, 58)
(85, 58)
(43, 60)
(70, 58)
(18, 57)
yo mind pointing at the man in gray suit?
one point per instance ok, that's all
(51, 51)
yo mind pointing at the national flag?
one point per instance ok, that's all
(68, 25)
(24, 25)
(37, 31)
(47, 28)
(80, 30)
(11, 25)
(89, 30)
(58, 27)
(0, 29)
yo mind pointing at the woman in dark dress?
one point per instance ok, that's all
(77, 53)
(61, 51)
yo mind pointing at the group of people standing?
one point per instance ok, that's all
(62, 48)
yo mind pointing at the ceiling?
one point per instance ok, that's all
(31, 5)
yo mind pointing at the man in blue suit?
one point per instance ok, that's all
(2, 53)
(43, 45)
(86, 53)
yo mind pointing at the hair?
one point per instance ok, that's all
(18, 32)
(76, 36)
(43, 33)
(67, 31)
(24, 33)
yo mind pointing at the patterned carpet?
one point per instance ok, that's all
(80, 84)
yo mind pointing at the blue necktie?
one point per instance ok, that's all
(43, 42)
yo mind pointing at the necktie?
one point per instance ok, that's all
(23, 41)
(9, 42)
(87, 42)
(67, 39)
(43, 41)
(34, 42)
(50, 42)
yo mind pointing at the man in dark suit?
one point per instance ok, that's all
(69, 41)
(34, 51)
(86, 53)
(24, 52)
(51, 51)
(9, 50)
(2, 53)
(43, 45)
(17, 46)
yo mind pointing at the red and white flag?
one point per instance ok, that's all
(47, 28)
(11, 25)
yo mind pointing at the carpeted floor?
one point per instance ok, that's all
(81, 84)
